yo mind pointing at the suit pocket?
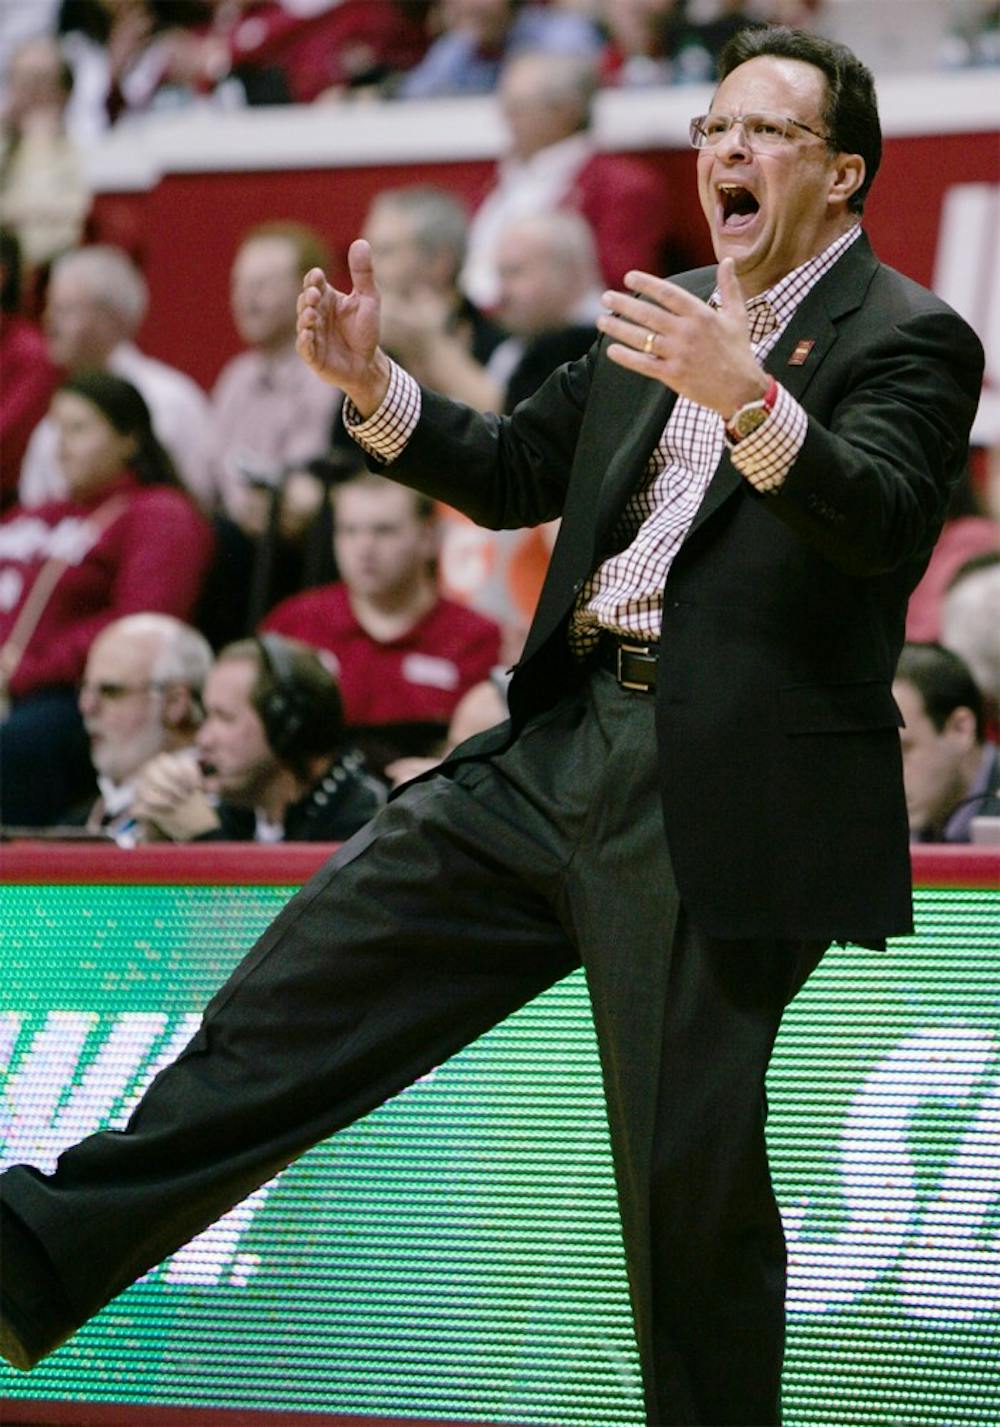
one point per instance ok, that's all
(838, 708)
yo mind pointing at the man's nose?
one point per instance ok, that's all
(733, 144)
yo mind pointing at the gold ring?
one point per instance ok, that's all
(647, 346)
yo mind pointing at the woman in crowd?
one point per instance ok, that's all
(126, 538)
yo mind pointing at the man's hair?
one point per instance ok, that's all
(943, 682)
(295, 696)
(424, 507)
(184, 655)
(851, 111)
(311, 251)
(440, 220)
(970, 618)
(111, 278)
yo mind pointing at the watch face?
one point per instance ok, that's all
(747, 421)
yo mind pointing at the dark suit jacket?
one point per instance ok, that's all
(783, 614)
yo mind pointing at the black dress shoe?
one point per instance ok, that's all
(35, 1316)
(12, 1347)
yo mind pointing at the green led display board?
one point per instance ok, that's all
(457, 1254)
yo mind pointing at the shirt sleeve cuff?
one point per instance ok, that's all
(386, 432)
(765, 457)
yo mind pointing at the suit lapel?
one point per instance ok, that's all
(840, 291)
(645, 407)
(637, 410)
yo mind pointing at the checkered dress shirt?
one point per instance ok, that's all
(625, 592)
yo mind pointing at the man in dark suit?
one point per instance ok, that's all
(699, 788)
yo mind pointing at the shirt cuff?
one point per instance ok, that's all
(386, 432)
(765, 457)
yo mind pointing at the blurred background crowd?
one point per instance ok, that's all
(214, 622)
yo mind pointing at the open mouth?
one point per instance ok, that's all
(737, 207)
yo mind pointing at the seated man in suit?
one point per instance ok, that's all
(699, 786)
(951, 771)
(550, 295)
(274, 763)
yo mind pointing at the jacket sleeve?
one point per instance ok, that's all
(870, 486)
(504, 472)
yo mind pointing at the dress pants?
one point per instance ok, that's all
(469, 894)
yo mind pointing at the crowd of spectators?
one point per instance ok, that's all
(147, 523)
(95, 61)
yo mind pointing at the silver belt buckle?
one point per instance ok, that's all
(640, 649)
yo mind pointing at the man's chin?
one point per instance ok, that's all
(730, 245)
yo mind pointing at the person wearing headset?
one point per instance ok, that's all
(272, 765)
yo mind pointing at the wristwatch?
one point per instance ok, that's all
(747, 418)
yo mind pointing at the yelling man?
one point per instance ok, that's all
(699, 787)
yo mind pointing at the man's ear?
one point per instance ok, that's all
(440, 270)
(430, 539)
(179, 708)
(848, 176)
(961, 724)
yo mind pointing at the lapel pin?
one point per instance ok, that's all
(802, 350)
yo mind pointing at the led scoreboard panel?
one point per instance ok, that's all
(457, 1254)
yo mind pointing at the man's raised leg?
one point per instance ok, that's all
(426, 929)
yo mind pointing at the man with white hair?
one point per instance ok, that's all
(96, 302)
(970, 625)
(550, 298)
(547, 102)
(140, 696)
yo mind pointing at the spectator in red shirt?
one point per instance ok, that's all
(29, 374)
(125, 539)
(404, 655)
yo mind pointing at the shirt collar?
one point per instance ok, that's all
(555, 161)
(115, 796)
(957, 827)
(265, 830)
(278, 369)
(773, 307)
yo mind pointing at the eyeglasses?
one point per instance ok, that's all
(114, 693)
(761, 131)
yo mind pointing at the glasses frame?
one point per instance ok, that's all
(107, 691)
(700, 140)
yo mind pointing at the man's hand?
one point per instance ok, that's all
(338, 333)
(169, 799)
(675, 338)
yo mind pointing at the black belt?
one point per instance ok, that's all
(633, 664)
